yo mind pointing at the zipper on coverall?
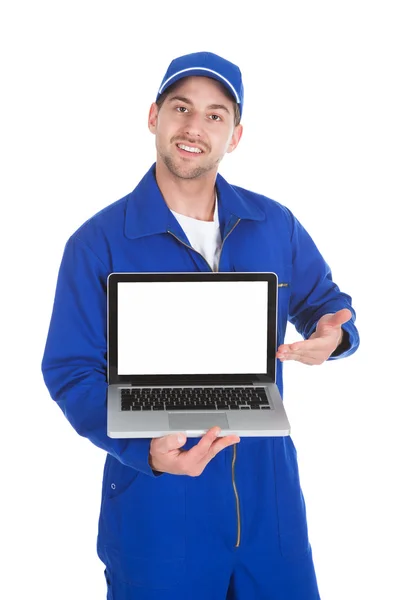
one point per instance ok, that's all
(234, 446)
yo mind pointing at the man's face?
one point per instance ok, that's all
(194, 128)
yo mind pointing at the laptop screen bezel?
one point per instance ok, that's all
(196, 379)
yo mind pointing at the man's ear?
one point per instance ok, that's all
(237, 134)
(153, 114)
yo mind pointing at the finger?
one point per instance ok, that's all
(311, 346)
(210, 444)
(309, 349)
(306, 359)
(307, 346)
(282, 350)
(286, 348)
(313, 352)
(222, 443)
(217, 446)
(202, 448)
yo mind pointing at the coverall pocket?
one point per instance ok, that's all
(144, 526)
(291, 510)
(151, 574)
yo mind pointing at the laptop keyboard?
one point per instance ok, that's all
(199, 398)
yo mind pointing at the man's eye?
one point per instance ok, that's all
(181, 108)
(215, 118)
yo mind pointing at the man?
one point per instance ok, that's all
(187, 518)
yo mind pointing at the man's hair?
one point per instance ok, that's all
(171, 88)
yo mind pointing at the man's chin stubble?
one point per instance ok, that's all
(190, 173)
(182, 173)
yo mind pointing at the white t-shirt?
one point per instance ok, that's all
(204, 236)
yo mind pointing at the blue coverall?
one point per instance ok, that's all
(238, 530)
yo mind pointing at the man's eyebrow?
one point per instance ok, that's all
(188, 101)
(219, 107)
(181, 99)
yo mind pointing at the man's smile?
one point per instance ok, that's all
(186, 150)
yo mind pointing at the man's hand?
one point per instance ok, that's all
(320, 345)
(166, 456)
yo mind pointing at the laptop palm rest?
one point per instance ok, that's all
(197, 421)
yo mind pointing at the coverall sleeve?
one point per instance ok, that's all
(313, 293)
(74, 364)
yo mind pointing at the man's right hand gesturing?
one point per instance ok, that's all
(165, 454)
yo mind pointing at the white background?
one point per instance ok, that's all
(321, 135)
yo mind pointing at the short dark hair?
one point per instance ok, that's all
(171, 88)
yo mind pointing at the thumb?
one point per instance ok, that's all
(170, 442)
(334, 319)
(340, 317)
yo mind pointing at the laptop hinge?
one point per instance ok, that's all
(179, 382)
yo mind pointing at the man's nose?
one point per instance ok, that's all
(194, 125)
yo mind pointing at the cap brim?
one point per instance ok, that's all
(200, 72)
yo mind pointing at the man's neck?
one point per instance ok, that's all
(191, 197)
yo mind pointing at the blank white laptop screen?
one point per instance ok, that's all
(189, 327)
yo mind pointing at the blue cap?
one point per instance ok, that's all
(205, 64)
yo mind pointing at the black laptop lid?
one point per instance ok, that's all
(191, 328)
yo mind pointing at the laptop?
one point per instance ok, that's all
(190, 351)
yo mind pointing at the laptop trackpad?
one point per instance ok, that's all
(182, 421)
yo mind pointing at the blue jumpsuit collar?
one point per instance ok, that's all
(148, 214)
